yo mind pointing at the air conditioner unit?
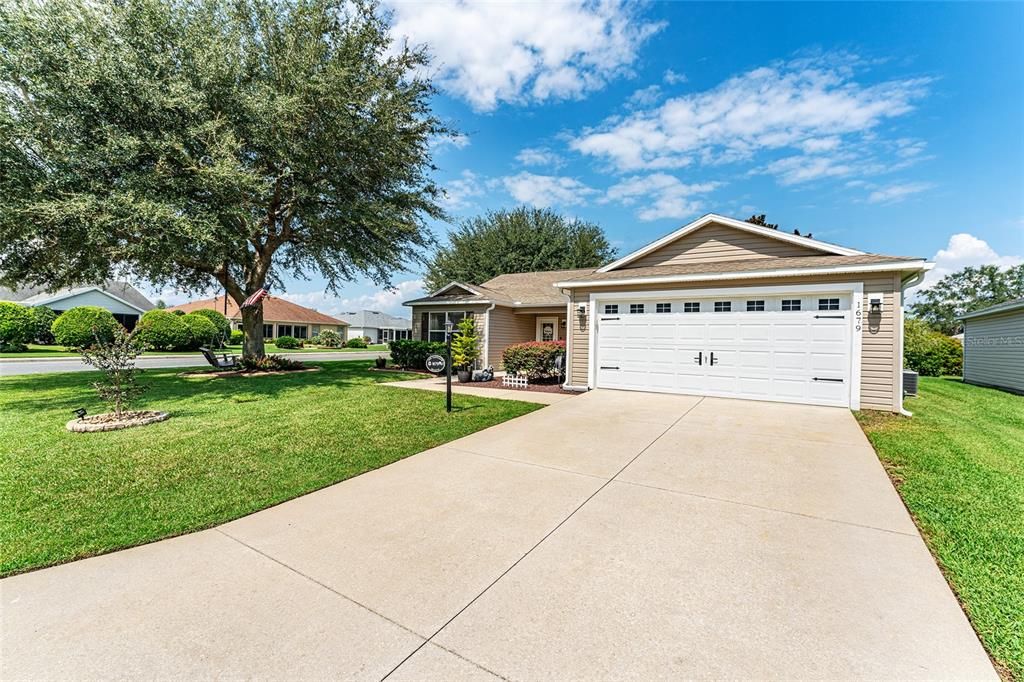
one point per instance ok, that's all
(910, 379)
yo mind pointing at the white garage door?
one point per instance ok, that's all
(794, 348)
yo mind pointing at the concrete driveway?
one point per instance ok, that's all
(610, 536)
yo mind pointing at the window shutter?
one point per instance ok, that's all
(424, 326)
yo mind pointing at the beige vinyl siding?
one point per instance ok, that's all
(994, 350)
(719, 243)
(507, 328)
(880, 364)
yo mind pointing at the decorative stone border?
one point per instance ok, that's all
(136, 419)
(237, 373)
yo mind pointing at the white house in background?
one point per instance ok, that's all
(122, 299)
(379, 327)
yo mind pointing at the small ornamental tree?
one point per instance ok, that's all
(80, 327)
(465, 345)
(115, 357)
(17, 327)
(44, 318)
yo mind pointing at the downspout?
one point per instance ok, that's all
(905, 284)
(487, 336)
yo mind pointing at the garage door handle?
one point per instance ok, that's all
(606, 367)
(830, 317)
(838, 381)
(699, 359)
(713, 361)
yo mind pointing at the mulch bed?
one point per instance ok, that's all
(552, 387)
(247, 373)
(111, 422)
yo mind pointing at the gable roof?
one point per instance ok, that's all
(1005, 307)
(793, 266)
(274, 310)
(519, 289)
(123, 292)
(823, 247)
(376, 319)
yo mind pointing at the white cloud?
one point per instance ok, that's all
(964, 249)
(674, 77)
(543, 191)
(539, 156)
(493, 52)
(897, 192)
(644, 97)
(458, 193)
(811, 105)
(659, 195)
(457, 141)
(795, 169)
(384, 300)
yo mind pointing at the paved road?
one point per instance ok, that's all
(46, 366)
(613, 535)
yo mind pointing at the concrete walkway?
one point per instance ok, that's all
(438, 384)
(610, 536)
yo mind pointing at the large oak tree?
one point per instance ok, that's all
(202, 143)
(965, 291)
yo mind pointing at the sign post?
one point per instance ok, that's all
(438, 364)
(448, 364)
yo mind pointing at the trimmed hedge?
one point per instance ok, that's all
(287, 342)
(412, 354)
(931, 353)
(533, 359)
(80, 327)
(201, 331)
(17, 327)
(164, 330)
(237, 337)
(222, 323)
(357, 342)
(44, 318)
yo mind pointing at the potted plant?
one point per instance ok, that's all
(465, 349)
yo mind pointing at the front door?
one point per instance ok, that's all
(547, 328)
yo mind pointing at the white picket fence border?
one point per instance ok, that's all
(514, 382)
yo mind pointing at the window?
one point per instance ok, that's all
(828, 304)
(299, 331)
(755, 306)
(611, 309)
(284, 330)
(636, 307)
(691, 307)
(268, 331)
(663, 307)
(437, 322)
(723, 306)
(790, 304)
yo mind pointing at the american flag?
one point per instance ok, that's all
(256, 298)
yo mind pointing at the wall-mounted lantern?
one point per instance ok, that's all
(875, 303)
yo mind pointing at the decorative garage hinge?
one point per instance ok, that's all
(838, 381)
(830, 317)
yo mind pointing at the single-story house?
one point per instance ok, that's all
(994, 346)
(280, 317)
(377, 326)
(122, 299)
(720, 307)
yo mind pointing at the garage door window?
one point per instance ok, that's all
(723, 306)
(828, 304)
(663, 307)
(611, 309)
(790, 304)
(691, 307)
(755, 306)
(636, 308)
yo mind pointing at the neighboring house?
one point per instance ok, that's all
(720, 307)
(994, 346)
(280, 317)
(378, 327)
(122, 299)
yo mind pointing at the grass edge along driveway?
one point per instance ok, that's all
(233, 446)
(959, 466)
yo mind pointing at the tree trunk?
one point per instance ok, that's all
(252, 325)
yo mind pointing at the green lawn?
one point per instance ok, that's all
(233, 446)
(959, 465)
(37, 351)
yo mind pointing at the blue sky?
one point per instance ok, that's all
(893, 128)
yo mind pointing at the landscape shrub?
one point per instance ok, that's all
(222, 323)
(931, 353)
(201, 331)
(271, 363)
(116, 359)
(17, 327)
(465, 345)
(44, 318)
(314, 340)
(533, 359)
(412, 353)
(329, 339)
(163, 330)
(287, 342)
(357, 342)
(84, 326)
(237, 337)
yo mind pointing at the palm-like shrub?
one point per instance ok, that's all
(163, 330)
(84, 326)
(17, 327)
(329, 339)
